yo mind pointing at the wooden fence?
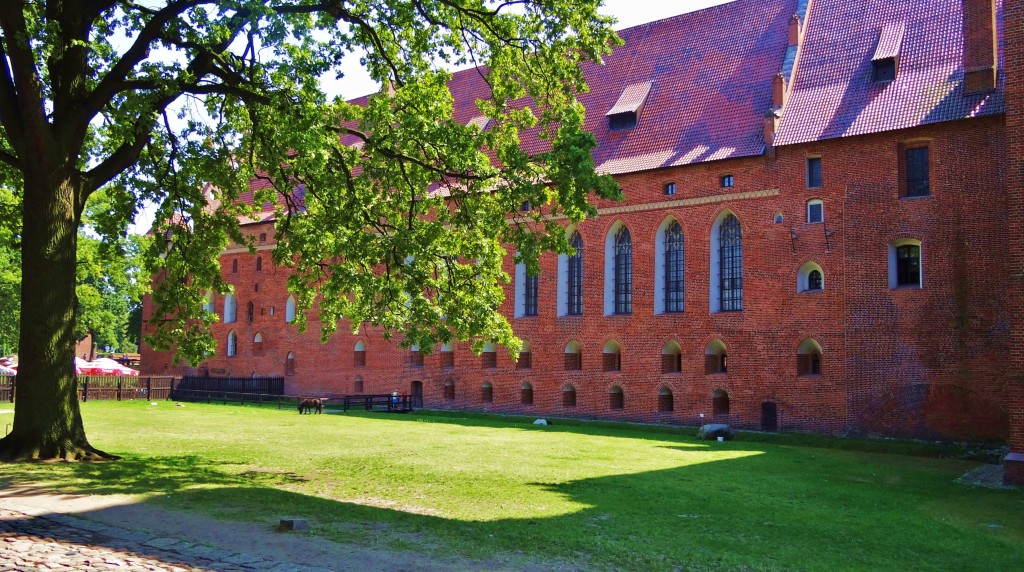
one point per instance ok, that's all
(96, 387)
(195, 388)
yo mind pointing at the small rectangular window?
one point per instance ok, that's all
(530, 297)
(883, 70)
(908, 265)
(727, 181)
(918, 183)
(815, 212)
(620, 121)
(670, 188)
(814, 172)
(525, 207)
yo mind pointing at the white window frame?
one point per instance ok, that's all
(818, 202)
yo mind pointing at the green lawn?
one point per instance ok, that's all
(590, 495)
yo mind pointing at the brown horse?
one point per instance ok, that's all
(311, 405)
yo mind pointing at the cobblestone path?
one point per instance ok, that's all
(61, 542)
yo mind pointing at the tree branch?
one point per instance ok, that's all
(153, 29)
(10, 160)
(28, 90)
(10, 116)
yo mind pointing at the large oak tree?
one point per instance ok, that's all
(390, 212)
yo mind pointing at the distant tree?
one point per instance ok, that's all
(220, 92)
(110, 280)
(10, 270)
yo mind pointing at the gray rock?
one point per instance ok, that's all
(541, 422)
(713, 431)
(293, 524)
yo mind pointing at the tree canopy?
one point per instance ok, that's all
(389, 210)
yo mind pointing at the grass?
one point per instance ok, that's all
(588, 495)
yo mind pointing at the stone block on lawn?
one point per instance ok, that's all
(713, 431)
(293, 524)
(541, 422)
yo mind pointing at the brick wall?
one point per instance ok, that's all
(1013, 54)
(928, 362)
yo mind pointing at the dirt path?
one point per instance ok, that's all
(85, 532)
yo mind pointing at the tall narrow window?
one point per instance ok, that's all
(671, 358)
(569, 396)
(575, 270)
(525, 360)
(232, 349)
(674, 283)
(289, 310)
(289, 364)
(612, 356)
(415, 356)
(489, 357)
(918, 183)
(259, 264)
(573, 356)
(808, 358)
(730, 281)
(616, 398)
(526, 394)
(257, 343)
(530, 296)
(234, 266)
(447, 356)
(359, 354)
(250, 311)
(813, 172)
(908, 265)
(720, 402)
(665, 399)
(623, 272)
(230, 308)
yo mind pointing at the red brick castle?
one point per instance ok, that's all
(823, 231)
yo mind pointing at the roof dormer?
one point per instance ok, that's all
(885, 63)
(626, 112)
(481, 122)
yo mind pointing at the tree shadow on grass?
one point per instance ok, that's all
(758, 510)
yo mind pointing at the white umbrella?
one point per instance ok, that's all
(111, 367)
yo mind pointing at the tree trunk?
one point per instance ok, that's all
(47, 420)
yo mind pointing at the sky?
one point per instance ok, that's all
(629, 13)
(356, 82)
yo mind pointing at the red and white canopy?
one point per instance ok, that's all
(102, 366)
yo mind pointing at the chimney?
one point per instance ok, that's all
(980, 48)
(771, 123)
(779, 90)
(794, 30)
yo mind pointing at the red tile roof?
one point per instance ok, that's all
(703, 80)
(833, 94)
(711, 81)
